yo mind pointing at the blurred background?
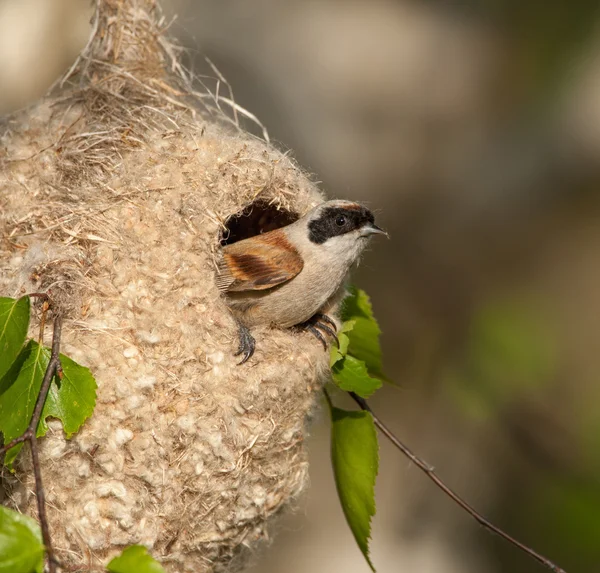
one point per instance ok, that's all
(472, 128)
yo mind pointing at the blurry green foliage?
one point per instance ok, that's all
(544, 38)
(550, 35)
(563, 514)
(510, 351)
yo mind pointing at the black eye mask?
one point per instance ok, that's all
(336, 221)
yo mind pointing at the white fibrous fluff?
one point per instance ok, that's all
(114, 193)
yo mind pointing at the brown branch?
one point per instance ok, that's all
(45, 307)
(430, 473)
(29, 435)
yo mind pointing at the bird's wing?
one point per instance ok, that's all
(258, 263)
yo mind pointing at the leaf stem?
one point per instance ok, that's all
(29, 435)
(430, 473)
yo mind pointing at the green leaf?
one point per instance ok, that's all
(134, 559)
(364, 337)
(351, 374)
(14, 321)
(355, 458)
(337, 353)
(18, 400)
(21, 548)
(71, 399)
(13, 372)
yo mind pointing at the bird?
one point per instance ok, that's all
(294, 276)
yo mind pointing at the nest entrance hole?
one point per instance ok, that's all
(256, 218)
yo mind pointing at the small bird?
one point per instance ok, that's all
(294, 275)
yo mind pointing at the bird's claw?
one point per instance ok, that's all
(247, 344)
(324, 319)
(320, 323)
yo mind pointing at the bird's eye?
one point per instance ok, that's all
(340, 220)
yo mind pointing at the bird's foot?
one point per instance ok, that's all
(247, 343)
(319, 324)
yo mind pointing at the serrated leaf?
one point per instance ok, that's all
(134, 559)
(21, 548)
(351, 374)
(71, 399)
(355, 458)
(18, 400)
(338, 352)
(364, 337)
(14, 321)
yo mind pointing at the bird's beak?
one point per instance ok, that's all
(372, 229)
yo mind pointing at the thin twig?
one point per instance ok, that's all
(430, 473)
(29, 435)
(45, 307)
(42, 295)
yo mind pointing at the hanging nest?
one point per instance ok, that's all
(115, 193)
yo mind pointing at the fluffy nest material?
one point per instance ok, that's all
(114, 191)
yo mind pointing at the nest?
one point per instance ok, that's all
(115, 192)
